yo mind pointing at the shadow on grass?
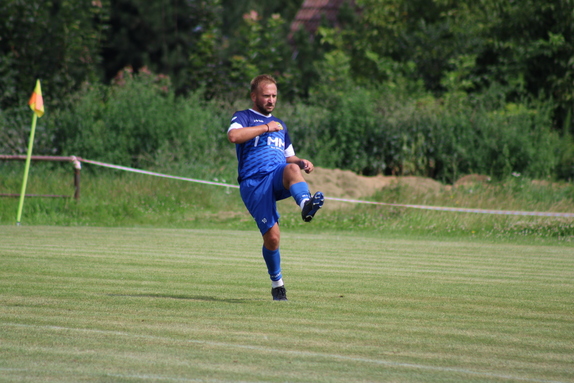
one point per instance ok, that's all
(184, 297)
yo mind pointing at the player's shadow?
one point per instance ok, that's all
(184, 297)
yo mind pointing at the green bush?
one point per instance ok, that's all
(15, 125)
(516, 138)
(565, 168)
(140, 122)
(118, 124)
(386, 131)
(350, 138)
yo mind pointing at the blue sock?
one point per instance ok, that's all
(300, 192)
(273, 261)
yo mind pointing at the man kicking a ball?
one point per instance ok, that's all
(269, 171)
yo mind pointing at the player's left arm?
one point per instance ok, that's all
(304, 164)
(291, 158)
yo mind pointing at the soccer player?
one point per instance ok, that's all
(269, 171)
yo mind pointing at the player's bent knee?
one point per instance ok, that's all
(292, 173)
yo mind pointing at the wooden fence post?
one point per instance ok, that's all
(77, 169)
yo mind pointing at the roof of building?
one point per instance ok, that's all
(312, 11)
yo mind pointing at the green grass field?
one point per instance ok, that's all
(81, 304)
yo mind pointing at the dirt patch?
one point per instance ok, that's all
(421, 185)
(471, 179)
(346, 184)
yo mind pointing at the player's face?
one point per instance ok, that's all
(264, 98)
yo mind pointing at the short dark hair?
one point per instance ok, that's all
(262, 78)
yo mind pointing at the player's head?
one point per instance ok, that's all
(264, 93)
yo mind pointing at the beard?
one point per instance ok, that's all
(265, 108)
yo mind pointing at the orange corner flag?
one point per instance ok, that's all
(36, 101)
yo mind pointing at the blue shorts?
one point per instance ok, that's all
(260, 195)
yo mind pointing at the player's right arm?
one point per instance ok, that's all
(238, 134)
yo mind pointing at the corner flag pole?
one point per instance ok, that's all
(37, 105)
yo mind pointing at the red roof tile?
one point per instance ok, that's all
(312, 11)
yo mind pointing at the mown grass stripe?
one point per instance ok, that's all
(475, 305)
(387, 363)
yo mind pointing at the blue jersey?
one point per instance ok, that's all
(262, 154)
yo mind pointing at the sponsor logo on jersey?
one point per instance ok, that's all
(276, 141)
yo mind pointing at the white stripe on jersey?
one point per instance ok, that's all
(235, 125)
(289, 152)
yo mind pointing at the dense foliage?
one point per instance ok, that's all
(437, 88)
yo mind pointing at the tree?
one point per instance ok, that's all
(233, 11)
(259, 45)
(56, 41)
(160, 35)
(531, 48)
(467, 45)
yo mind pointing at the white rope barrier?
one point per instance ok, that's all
(460, 209)
(125, 168)
(424, 207)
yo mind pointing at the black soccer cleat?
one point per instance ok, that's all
(312, 206)
(279, 293)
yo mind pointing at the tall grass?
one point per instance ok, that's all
(115, 199)
(109, 198)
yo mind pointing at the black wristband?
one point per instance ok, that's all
(267, 128)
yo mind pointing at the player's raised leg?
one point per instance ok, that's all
(312, 206)
(294, 181)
